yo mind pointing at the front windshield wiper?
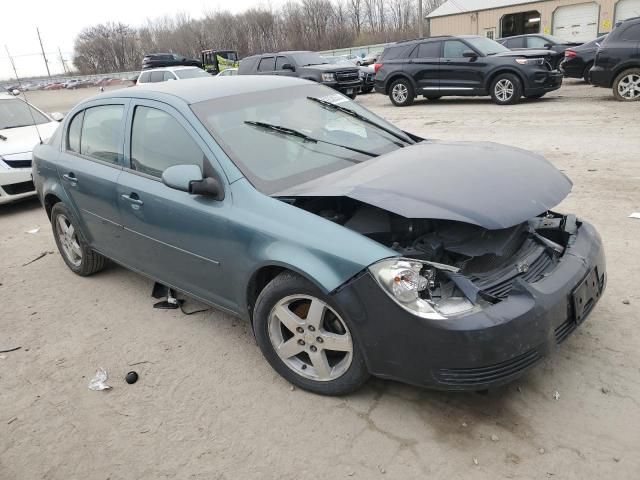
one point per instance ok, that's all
(362, 118)
(307, 138)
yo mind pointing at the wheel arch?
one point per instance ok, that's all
(264, 274)
(499, 71)
(398, 76)
(618, 70)
(52, 193)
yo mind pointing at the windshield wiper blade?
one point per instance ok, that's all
(307, 138)
(362, 118)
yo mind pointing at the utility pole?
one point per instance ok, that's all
(420, 20)
(46, 63)
(64, 65)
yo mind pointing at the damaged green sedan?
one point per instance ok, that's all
(352, 247)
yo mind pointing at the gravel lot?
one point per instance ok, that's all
(208, 406)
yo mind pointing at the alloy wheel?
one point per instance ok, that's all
(68, 240)
(310, 338)
(400, 93)
(629, 86)
(504, 90)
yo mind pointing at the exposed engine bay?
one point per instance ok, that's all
(484, 263)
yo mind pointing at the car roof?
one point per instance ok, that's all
(196, 90)
(171, 69)
(437, 37)
(8, 96)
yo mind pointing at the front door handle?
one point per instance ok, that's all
(70, 177)
(133, 198)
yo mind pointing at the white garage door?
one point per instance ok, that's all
(576, 23)
(627, 9)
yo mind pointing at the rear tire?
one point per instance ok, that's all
(401, 93)
(506, 89)
(626, 86)
(586, 74)
(74, 249)
(286, 311)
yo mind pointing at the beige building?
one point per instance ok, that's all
(572, 20)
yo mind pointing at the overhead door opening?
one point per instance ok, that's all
(520, 23)
(576, 23)
(627, 9)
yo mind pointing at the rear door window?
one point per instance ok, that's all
(514, 43)
(101, 136)
(632, 32)
(454, 48)
(157, 76)
(392, 53)
(429, 50)
(537, 42)
(158, 141)
(168, 76)
(73, 136)
(267, 64)
(144, 78)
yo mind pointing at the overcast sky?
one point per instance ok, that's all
(60, 21)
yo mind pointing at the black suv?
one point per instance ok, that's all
(555, 45)
(465, 65)
(307, 65)
(617, 63)
(156, 60)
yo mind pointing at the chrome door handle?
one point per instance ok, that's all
(70, 177)
(135, 201)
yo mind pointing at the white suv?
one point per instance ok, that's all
(155, 75)
(19, 129)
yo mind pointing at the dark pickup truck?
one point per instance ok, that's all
(307, 65)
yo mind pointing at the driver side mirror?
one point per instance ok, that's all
(288, 66)
(548, 45)
(469, 54)
(15, 92)
(57, 116)
(188, 178)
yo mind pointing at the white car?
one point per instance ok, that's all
(155, 75)
(18, 136)
(228, 72)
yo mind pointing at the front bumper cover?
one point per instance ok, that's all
(543, 82)
(481, 350)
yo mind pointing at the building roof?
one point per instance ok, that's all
(453, 7)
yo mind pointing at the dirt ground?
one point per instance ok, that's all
(208, 406)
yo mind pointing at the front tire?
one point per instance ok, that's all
(306, 338)
(401, 93)
(626, 86)
(75, 251)
(367, 90)
(506, 89)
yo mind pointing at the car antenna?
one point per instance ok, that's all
(33, 119)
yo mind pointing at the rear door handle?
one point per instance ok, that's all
(70, 177)
(132, 199)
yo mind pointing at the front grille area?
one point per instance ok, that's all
(347, 76)
(500, 283)
(18, 163)
(468, 377)
(18, 188)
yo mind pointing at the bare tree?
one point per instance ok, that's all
(298, 24)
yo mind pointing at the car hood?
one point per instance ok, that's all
(330, 67)
(23, 139)
(525, 52)
(486, 184)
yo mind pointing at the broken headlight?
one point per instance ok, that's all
(422, 288)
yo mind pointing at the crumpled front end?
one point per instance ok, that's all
(530, 301)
